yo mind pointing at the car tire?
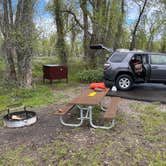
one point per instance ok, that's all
(124, 82)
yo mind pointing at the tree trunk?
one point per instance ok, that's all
(60, 44)
(163, 43)
(8, 39)
(10, 67)
(18, 35)
(86, 42)
(24, 42)
(132, 44)
(118, 35)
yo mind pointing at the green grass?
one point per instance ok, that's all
(16, 157)
(152, 119)
(37, 96)
(150, 157)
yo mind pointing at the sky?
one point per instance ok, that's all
(45, 21)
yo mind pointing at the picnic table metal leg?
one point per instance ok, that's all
(99, 127)
(73, 125)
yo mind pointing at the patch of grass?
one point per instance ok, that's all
(137, 107)
(61, 98)
(51, 154)
(63, 85)
(150, 157)
(153, 124)
(61, 152)
(37, 96)
(17, 157)
(152, 119)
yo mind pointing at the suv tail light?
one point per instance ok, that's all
(106, 66)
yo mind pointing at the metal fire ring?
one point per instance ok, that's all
(20, 118)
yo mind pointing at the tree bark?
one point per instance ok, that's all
(10, 66)
(8, 42)
(18, 36)
(60, 44)
(86, 37)
(132, 44)
(24, 41)
(118, 35)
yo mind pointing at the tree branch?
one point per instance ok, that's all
(132, 44)
(75, 19)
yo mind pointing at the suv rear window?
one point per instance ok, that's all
(118, 57)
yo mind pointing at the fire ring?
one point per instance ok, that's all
(20, 119)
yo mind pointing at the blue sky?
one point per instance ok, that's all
(43, 19)
(40, 8)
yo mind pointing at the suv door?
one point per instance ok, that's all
(158, 67)
(146, 65)
(144, 60)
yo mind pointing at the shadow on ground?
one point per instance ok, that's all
(144, 92)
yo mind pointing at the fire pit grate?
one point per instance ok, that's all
(20, 118)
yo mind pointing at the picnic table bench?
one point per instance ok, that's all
(85, 103)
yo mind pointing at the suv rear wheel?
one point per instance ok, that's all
(124, 82)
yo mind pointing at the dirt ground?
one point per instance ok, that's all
(130, 142)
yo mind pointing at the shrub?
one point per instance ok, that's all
(88, 76)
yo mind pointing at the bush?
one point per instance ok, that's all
(88, 76)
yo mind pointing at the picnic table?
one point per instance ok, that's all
(85, 103)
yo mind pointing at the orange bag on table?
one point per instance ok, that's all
(100, 85)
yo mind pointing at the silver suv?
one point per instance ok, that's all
(124, 68)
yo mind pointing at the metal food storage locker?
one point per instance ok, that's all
(54, 72)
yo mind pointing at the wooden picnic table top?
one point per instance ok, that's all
(89, 97)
